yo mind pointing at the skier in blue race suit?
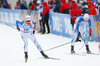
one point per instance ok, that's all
(82, 25)
(27, 29)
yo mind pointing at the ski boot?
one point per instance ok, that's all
(72, 50)
(87, 49)
(26, 57)
(44, 55)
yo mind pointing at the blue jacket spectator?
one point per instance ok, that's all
(23, 5)
(5, 5)
(85, 8)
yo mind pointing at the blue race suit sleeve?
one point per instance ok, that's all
(18, 22)
(89, 23)
(34, 23)
(78, 24)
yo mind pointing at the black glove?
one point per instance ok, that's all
(18, 28)
(33, 31)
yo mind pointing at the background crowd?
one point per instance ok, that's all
(60, 6)
(75, 9)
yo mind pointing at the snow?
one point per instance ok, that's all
(12, 52)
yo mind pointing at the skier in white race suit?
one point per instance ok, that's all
(27, 30)
(82, 25)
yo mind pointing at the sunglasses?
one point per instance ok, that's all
(28, 21)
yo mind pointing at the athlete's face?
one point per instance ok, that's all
(85, 20)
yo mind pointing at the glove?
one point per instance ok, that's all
(89, 37)
(80, 38)
(33, 31)
(18, 28)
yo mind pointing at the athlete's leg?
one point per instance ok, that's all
(85, 39)
(24, 37)
(33, 39)
(73, 42)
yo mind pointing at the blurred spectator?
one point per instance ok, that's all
(30, 4)
(5, 5)
(64, 7)
(18, 7)
(73, 2)
(97, 9)
(80, 4)
(70, 2)
(74, 12)
(23, 5)
(9, 7)
(50, 4)
(1, 6)
(45, 14)
(17, 4)
(92, 10)
(95, 2)
(40, 7)
(34, 5)
(57, 6)
(85, 8)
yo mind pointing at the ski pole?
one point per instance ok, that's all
(57, 46)
(82, 47)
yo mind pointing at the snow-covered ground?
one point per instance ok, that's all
(12, 53)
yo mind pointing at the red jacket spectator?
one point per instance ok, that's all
(74, 11)
(50, 2)
(46, 8)
(17, 4)
(33, 7)
(92, 10)
(64, 7)
(45, 17)
(69, 3)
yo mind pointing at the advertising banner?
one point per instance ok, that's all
(9, 16)
(60, 24)
(97, 28)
